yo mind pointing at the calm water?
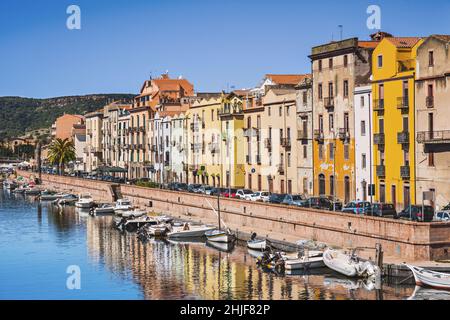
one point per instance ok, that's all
(38, 243)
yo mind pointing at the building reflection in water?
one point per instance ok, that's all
(170, 270)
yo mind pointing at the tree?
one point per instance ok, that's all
(61, 152)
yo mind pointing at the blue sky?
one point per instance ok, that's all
(212, 43)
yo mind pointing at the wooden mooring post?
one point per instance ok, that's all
(379, 256)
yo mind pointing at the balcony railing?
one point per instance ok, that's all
(403, 103)
(280, 169)
(344, 134)
(405, 172)
(268, 143)
(378, 105)
(378, 139)
(403, 138)
(381, 171)
(328, 102)
(434, 137)
(318, 135)
(430, 102)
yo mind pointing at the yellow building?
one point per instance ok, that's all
(393, 69)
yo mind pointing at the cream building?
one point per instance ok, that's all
(93, 152)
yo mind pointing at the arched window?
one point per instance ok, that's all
(321, 184)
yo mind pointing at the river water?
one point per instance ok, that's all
(38, 243)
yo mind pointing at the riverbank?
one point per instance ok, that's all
(402, 241)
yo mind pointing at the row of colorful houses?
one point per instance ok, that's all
(368, 123)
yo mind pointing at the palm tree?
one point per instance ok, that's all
(61, 152)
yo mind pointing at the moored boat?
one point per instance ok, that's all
(85, 201)
(219, 236)
(349, 264)
(123, 205)
(131, 214)
(50, 195)
(304, 262)
(104, 209)
(428, 278)
(189, 231)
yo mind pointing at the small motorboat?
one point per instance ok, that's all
(189, 231)
(219, 236)
(85, 201)
(50, 195)
(104, 209)
(257, 254)
(221, 246)
(349, 264)
(131, 214)
(432, 279)
(307, 260)
(32, 192)
(159, 230)
(256, 244)
(164, 219)
(66, 199)
(123, 205)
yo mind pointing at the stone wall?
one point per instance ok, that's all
(402, 239)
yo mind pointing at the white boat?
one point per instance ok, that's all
(349, 264)
(219, 236)
(50, 196)
(221, 246)
(66, 199)
(164, 219)
(257, 254)
(304, 262)
(159, 230)
(257, 244)
(189, 231)
(32, 192)
(123, 205)
(428, 278)
(85, 202)
(131, 214)
(104, 209)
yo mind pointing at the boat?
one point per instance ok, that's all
(432, 279)
(221, 246)
(131, 214)
(219, 236)
(349, 264)
(104, 209)
(257, 254)
(421, 293)
(85, 201)
(66, 199)
(159, 230)
(189, 231)
(19, 190)
(305, 262)
(123, 205)
(50, 195)
(164, 219)
(32, 192)
(9, 185)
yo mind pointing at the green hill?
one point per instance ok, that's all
(19, 116)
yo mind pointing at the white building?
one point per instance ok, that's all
(363, 141)
(179, 148)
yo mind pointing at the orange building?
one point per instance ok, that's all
(62, 128)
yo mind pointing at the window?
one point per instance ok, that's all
(320, 91)
(346, 152)
(305, 152)
(321, 151)
(332, 185)
(320, 65)
(280, 111)
(363, 161)
(330, 63)
(431, 58)
(321, 123)
(289, 159)
(380, 61)
(305, 97)
(331, 150)
(363, 128)
(331, 122)
(346, 122)
(345, 61)
(330, 90)
(363, 101)
(431, 159)
(345, 88)
(268, 111)
(287, 111)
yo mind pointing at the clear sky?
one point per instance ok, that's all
(212, 43)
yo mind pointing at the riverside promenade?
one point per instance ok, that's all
(402, 241)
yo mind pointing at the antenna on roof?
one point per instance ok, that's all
(341, 27)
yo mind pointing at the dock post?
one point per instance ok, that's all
(379, 256)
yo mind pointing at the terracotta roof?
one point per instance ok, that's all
(442, 37)
(286, 78)
(368, 44)
(241, 92)
(404, 42)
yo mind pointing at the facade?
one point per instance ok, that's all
(79, 140)
(363, 141)
(304, 144)
(338, 68)
(138, 142)
(179, 147)
(432, 127)
(93, 151)
(62, 128)
(394, 65)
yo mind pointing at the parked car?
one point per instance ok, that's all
(205, 190)
(260, 196)
(415, 213)
(181, 187)
(244, 194)
(382, 210)
(294, 200)
(193, 188)
(277, 198)
(443, 216)
(321, 203)
(357, 207)
(229, 193)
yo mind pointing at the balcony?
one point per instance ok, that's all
(251, 132)
(403, 138)
(280, 169)
(434, 137)
(405, 172)
(319, 136)
(328, 103)
(378, 139)
(268, 143)
(430, 102)
(302, 135)
(403, 103)
(141, 129)
(344, 134)
(286, 143)
(381, 171)
(378, 105)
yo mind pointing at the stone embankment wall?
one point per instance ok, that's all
(402, 239)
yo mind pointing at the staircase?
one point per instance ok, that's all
(116, 193)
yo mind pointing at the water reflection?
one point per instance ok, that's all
(160, 269)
